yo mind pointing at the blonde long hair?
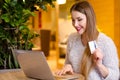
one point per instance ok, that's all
(91, 33)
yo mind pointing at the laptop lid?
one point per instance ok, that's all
(34, 64)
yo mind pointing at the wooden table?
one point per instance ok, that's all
(16, 74)
(13, 74)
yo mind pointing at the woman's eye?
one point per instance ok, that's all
(79, 19)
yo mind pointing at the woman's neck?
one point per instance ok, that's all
(84, 40)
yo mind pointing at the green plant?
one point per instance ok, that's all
(14, 31)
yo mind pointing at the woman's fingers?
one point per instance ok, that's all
(60, 72)
(97, 56)
(66, 69)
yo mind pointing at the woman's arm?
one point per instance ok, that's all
(97, 58)
(103, 70)
(107, 60)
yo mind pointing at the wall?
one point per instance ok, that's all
(105, 15)
(117, 24)
(49, 19)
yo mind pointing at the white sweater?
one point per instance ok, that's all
(75, 50)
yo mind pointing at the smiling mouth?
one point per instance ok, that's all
(78, 29)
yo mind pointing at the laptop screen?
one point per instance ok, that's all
(34, 64)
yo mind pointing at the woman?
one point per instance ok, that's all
(102, 64)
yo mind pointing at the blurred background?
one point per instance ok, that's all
(54, 27)
(58, 21)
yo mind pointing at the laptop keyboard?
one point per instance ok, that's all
(67, 77)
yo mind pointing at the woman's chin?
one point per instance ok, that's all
(80, 32)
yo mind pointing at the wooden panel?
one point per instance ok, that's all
(105, 15)
(117, 25)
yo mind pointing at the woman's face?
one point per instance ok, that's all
(79, 21)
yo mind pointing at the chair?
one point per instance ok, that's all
(45, 41)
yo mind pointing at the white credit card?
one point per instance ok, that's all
(92, 46)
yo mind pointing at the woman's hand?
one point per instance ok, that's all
(66, 69)
(97, 56)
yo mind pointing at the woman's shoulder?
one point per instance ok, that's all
(104, 37)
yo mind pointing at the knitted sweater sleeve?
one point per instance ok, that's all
(69, 41)
(110, 59)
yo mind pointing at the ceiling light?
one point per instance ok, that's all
(61, 1)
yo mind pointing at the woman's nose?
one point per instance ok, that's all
(75, 23)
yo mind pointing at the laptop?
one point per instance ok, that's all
(34, 65)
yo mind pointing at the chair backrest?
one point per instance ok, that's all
(45, 41)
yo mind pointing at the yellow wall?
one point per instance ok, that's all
(49, 19)
(117, 24)
(105, 15)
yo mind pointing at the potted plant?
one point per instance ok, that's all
(14, 31)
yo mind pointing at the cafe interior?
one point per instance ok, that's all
(57, 20)
(54, 27)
